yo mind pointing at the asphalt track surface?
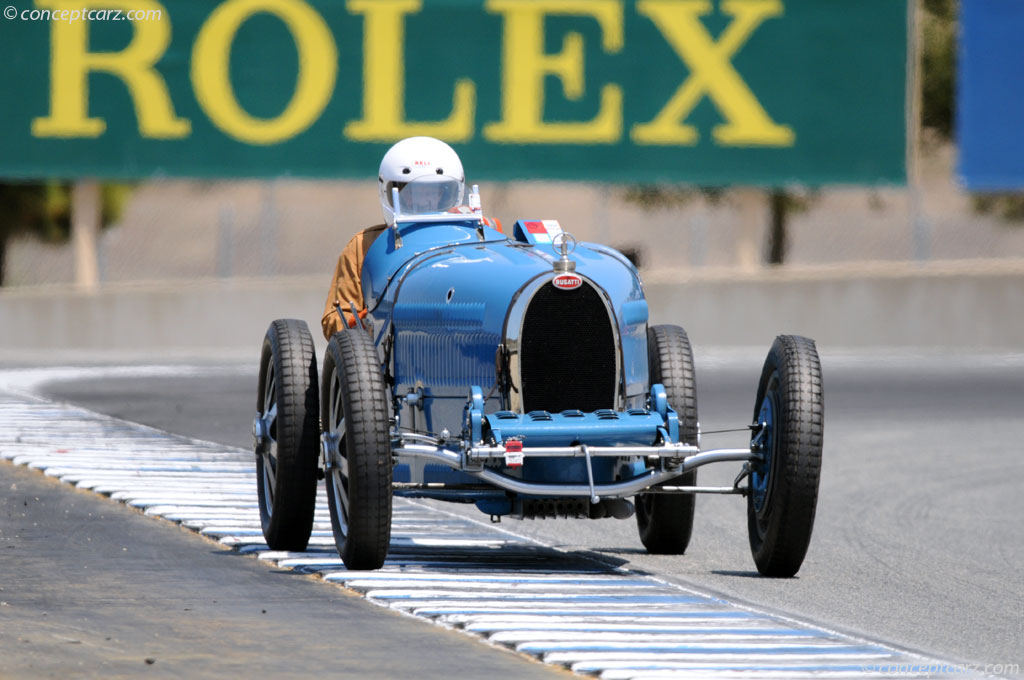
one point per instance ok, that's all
(917, 542)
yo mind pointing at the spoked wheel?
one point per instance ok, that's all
(784, 484)
(285, 435)
(357, 439)
(665, 521)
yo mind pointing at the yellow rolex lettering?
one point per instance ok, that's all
(525, 65)
(71, 62)
(384, 81)
(211, 76)
(711, 74)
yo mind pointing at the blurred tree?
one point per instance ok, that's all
(660, 196)
(43, 210)
(1006, 205)
(938, 65)
(783, 204)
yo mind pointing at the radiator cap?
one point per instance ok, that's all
(560, 243)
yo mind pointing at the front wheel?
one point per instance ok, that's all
(784, 484)
(285, 433)
(665, 521)
(357, 436)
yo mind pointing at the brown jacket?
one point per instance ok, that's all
(347, 285)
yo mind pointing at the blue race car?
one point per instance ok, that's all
(519, 374)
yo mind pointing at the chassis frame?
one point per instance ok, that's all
(666, 459)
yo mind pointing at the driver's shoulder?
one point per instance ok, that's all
(364, 239)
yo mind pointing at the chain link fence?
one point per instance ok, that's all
(186, 230)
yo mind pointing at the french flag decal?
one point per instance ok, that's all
(543, 231)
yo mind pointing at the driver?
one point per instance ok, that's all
(441, 186)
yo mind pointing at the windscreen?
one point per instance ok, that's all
(428, 194)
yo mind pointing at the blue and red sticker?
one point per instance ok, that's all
(543, 231)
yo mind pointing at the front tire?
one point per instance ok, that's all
(286, 432)
(784, 486)
(665, 521)
(356, 421)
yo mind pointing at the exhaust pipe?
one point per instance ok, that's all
(619, 508)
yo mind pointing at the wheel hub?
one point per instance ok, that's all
(260, 434)
(330, 449)
(760, 472)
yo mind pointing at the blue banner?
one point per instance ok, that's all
(990, 96)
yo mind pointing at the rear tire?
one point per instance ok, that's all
(355, 413)
(286, 461)
(784, 488)
(665, 521)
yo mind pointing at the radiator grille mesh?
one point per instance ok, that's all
(568, 352)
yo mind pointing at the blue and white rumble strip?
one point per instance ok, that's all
(562, 608)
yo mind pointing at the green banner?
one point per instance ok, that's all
(711, 92)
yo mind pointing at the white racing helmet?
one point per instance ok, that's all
(433, 168)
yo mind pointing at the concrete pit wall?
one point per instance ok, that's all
(951, 306)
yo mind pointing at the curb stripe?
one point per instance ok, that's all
(562, 608)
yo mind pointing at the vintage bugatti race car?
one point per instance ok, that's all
(518, 373)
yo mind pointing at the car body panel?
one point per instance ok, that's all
(445, 299)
